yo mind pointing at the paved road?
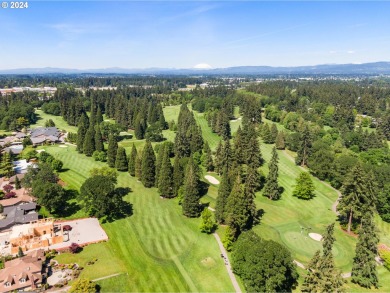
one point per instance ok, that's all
(227, 264)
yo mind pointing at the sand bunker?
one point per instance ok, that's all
(211, 179)
(315, 236)
(63, 146)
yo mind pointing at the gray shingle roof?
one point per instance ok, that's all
(19, 214)
(45, 131)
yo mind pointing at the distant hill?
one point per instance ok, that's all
(339, 69)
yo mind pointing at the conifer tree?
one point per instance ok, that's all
(358, 194)
(207, 158)
(138, 165)
(92, 116)
(99, 116)
(218, 158)
(271, 188)
(148, 176)
(178, 175)
(161, 119)
(132, 160)
(112, 151)
(190, 204)
(239, 149)
(160, 155)
(280, 141)
(364, 270)
(6, 165)
(222, 198)
(226, 157)
(331, 280)
(121, 163)
(303, 151)
(251, 185)
(99, 146)
(304, 187)
(165, 183)
(81, 131)
(266, 134)
(253, 152)
(237, 208)
(89, 142)
(140, 126)
(312, 280)
(274, 132)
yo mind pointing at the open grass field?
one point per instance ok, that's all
(58, 120)
(160, 249)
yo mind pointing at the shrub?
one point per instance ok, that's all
(9, 195)
(7, 188)
(75, 248)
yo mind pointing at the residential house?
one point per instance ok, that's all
(22, 213)
(40, 135)
(24, 273)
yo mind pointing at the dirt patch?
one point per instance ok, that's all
(208, 262)
(211, 179)
(62, 183)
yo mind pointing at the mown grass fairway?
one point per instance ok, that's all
(58, 120)
(160, 249)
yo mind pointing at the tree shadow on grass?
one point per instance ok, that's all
(258, 216)
(71, 207)
(203, 188)
(120, 208)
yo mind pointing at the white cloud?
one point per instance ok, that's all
(351, 52)
(202, 66)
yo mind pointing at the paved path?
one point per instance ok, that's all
(107, 277)
(299, 264)
(227, 262)
(211, 209)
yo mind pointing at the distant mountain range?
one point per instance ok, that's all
(325, 69)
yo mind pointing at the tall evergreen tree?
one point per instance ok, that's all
(364, 270)
(160, 155)
(280, 141)
(226, 157)
(140, 126)
(239, 149)
(99, 146)
(165, 183)
(222, 198)
(148, 176)
(138, 165)
(190, 204)
(121, 163)
(99, 116)
(312, 281)
(271, 188)
(237, 208)
(304, 147)
(331, 280)
(112, 151)
(89, 142)
(132, 159)
(266, 134)
(81, 131)
(218, 158)
(358, 194)
(207, 158)
(253, 152)
(178, 175)
(274, 132)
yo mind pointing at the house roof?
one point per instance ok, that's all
(20, 135)
(19, 214)
(45, 131)
(21, 196)
(37, 140)
(28, 267)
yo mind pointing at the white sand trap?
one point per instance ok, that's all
(315, 236)
(40, 151)
(63, 146)
(211, 179)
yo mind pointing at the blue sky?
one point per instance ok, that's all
(182, 34)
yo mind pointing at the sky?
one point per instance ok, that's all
(185, 34)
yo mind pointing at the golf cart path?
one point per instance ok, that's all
(227, 264)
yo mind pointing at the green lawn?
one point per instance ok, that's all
(58, 120)
(160, 249)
